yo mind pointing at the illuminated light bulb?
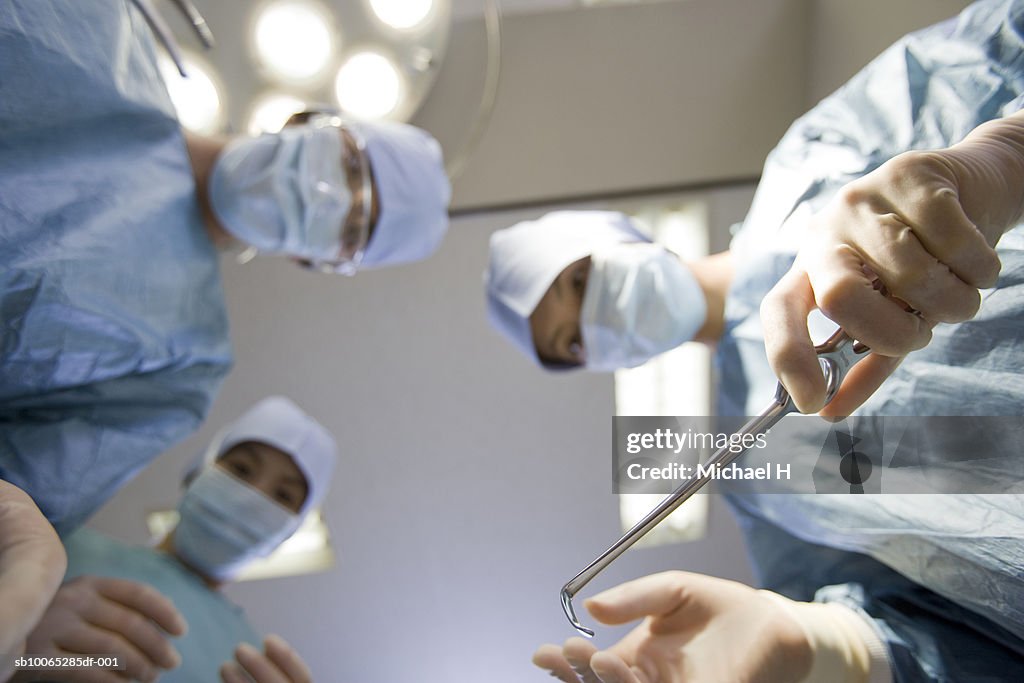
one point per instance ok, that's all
(368, 85)
(402, 14)
(293, 39)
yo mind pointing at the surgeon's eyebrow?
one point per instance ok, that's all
(251, 450)
(254, 451)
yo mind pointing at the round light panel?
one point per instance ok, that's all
(369, 86)
(402, 14)
(294, 40)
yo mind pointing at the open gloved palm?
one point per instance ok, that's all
(695, 628)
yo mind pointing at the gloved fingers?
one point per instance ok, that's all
(847, 294)
(931, 205)
(550, 658)
(146, 601)
(232, 672)
(784, 312)
(610, 668)
(122, 626)
(287, 659)
(258, 666)
(676, 600)
(862, 381)
(894, 252)
(578, 652)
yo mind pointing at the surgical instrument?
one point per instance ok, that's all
(836, 356)
(197, 21)
(166, 37)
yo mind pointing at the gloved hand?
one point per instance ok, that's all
(696, 628)
(699, 629)
(278, 663)
(917, 233)
(32, 565)
(93, 615)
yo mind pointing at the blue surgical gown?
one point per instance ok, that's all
(113, 329)
(215, 625)
(942, 576)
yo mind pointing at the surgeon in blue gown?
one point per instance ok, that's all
(113, 328)
(161, 609)
(890, 587)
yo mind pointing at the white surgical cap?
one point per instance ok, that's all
(526, 259)
(412, 190)
(278, 422)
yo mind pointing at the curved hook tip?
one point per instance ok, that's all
(570, 613)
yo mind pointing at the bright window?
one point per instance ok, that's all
(675, 383)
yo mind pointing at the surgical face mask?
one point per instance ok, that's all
(285, 193)
(640, 301)
(225, 523)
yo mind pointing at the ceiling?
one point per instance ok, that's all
(463, 9)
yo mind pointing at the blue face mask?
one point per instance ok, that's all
(284, 193)
(225, 524)
(640, 301)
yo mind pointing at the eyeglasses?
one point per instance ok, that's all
(358, 226)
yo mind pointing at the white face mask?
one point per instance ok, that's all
(640, 301)
(225, 523)
(284, 193)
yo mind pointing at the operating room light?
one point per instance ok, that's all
(271, 112)
(402, 14)
(368, 85)
(293, 39)
(196, 99)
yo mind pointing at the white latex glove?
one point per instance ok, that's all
(695, 628)
(93, 615)
(924, 226)
(278, 663)
(32, 565)
(699, 629)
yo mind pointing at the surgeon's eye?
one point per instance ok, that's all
(240, 469)
(290, 497)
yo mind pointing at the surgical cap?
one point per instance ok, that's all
(278, 422)
(526, 259)
(412, 191)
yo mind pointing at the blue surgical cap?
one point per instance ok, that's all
(412, 190)
(526, 259)
(278, 422)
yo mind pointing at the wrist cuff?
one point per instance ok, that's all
(845, 646)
